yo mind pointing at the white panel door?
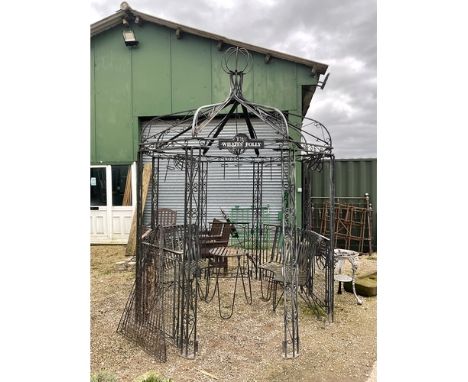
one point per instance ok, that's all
(100, 180)
(121, 223)
(123, 177)
(111, 217)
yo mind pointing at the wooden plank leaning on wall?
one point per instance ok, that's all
(127, 197)
(131, 245)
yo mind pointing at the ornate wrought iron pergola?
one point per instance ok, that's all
(163, 303)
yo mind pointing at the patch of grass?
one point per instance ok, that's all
(314, 310)
(152, 377)
(103, 376)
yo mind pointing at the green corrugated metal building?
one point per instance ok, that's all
(173, 68)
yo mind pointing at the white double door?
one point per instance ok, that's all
(109, 223)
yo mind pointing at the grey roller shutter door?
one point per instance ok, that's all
(229, 183)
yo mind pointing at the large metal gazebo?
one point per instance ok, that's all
(162, 306)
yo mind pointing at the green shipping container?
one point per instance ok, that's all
(353, 178)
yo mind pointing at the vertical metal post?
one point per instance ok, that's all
(290, 266)
(181, 272)
(153, 196)
(187, 256)
(188, 290)
(307, 195)
(330, 260)
(252, 218)
(157, 174)
(202, 209)
(260, 215)
(257, 206)
(159, 310)
(369, 222)
(139, 268)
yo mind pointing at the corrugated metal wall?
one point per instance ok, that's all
(229, 183)
(353, 177)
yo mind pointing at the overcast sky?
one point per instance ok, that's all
(339, 33)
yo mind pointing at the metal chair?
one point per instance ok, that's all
(340, 256)
(304, 247)
(273, 266)
(312, 249)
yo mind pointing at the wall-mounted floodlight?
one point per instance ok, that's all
(323, 83)
(320, 84)
(129, 37)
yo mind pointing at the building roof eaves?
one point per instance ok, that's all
(116, 19)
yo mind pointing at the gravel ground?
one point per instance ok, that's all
(246, 347)
(373, 374)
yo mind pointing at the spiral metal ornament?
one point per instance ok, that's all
(237, 60)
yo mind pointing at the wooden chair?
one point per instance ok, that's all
(167, 217)
(217, 237)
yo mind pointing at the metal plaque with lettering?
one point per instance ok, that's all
(240, 143)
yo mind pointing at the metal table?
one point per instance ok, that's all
(340, 256)
(222, 254)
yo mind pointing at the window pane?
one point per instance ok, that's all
(121, 185)
(98, 186)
